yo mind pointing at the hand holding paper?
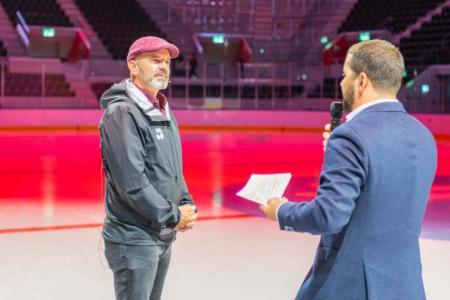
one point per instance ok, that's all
(271, 208)
(260, 188)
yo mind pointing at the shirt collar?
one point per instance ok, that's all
(145, 103)
(351, 115)
(159, 101)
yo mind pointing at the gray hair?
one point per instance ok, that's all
(381, 61)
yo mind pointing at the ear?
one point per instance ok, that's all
(362, 82)
(133, 67)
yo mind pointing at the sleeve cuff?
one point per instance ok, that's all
(280, 220)
(278, 209)
(176, 216)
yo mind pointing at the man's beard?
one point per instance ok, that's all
(158, 84)
(348, 98)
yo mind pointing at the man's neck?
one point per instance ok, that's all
(371, 98)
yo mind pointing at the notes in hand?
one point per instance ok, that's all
(262, 187)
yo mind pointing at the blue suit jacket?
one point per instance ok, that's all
(374, 186)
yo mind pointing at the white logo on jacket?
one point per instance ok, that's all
(159, 134)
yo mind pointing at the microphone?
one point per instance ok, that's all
(336, 110)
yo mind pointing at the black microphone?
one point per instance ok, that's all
(336, 110)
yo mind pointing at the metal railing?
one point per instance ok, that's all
(263, 86)
(34, 83)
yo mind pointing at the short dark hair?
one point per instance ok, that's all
(381, 61)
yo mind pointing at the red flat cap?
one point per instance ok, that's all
(151, 44)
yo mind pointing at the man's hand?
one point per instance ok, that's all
(270, 209)
(187, 217)
(326, 134)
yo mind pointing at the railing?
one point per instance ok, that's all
(310, 29)
(33, 83)
(226, 16)
(429, 91)
(266, 86)
(239, 15)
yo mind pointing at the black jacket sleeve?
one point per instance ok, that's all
(186, 197)
(124, 151)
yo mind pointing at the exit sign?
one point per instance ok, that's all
(364, 36)
(48, 32)
(218, 39)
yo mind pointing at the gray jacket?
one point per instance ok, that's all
(141, 153)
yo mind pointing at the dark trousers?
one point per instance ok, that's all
(139, 271)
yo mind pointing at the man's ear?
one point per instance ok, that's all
(133, 67)
(363, 80)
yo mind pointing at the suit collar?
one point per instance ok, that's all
(384, 106)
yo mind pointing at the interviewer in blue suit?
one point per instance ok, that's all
(375, 181)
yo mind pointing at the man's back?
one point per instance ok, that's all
(377, 256)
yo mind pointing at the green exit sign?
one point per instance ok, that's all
(364, 36)
(218, 39)
(48, 32)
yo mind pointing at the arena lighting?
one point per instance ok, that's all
(261, 50)
(328, 46)
(48, 32)
(218, 39)
(410, 83)
(405, 74)
(364, 36)
(324, 39)
(425, 88)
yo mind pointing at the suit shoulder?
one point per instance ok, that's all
(419, 124)
(349, 130)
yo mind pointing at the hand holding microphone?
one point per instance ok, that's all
(336, 110)
(326, 134)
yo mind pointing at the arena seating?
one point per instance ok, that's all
(37, 12)
(214, 15)
(393, 15)
(27, 85)
(100, 88)
(118, 23)
(330, 89)
(430, 44)
(3, 50)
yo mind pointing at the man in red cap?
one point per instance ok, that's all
(146, 199)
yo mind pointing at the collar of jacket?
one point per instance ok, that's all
(383, 107)
(146, 106)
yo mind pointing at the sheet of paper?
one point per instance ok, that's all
(262, 187)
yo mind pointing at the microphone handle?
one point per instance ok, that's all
(335, 122)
